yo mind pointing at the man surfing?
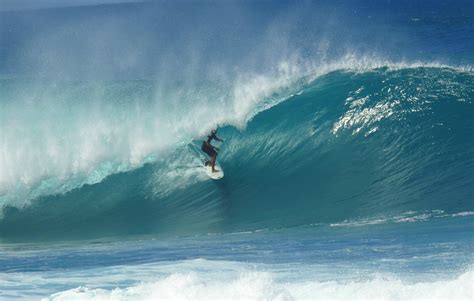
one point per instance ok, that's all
(211, 150)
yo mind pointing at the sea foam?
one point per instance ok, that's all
(262, 286)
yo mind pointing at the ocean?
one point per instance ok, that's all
(348, 150)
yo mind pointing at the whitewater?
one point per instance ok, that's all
(348, 151)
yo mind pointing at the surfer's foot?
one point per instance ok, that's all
(215, 170)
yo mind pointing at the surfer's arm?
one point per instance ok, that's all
(218, 139)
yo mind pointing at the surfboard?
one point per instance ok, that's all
(214, 175)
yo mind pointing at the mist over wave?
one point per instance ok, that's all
(110, 127)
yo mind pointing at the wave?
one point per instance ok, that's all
(253, 285)
(300, 148)
(113, 127)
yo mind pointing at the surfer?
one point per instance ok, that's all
(211, 150)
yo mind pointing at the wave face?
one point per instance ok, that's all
(323, 149)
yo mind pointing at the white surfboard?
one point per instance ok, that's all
(214, 175)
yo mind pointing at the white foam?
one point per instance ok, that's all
(251, 285)
(464, 213)
(406, 217)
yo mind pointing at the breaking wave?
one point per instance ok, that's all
(356, 140)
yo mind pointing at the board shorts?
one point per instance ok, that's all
(207, 149)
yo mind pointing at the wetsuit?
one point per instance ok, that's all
(206, 145)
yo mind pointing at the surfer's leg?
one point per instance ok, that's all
(213, 163)
(210, 152)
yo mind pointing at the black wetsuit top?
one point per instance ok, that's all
(212, 136)
(206, 145)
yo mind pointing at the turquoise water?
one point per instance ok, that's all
(348, 151)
